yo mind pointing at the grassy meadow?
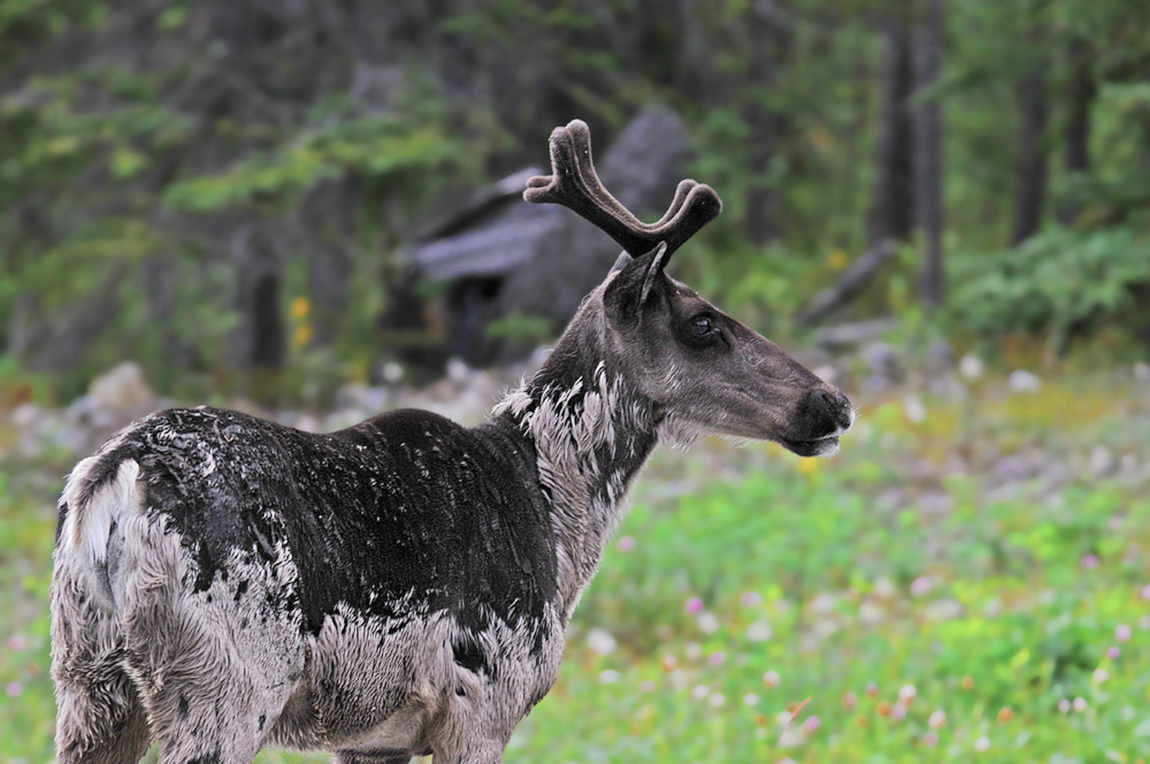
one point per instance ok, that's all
(968, 580)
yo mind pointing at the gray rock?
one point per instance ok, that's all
(827, 373)
(86, 413)
(1022, 381)
(1101, 462)
(308, 423)
(26, 416)
(947, 386)
(458, 371)
(883, 358)
(392, 373)
(124, 390)
(944, 610)
(914, 408)
(971, 366)
(877, 383)
(940, 354)
(936, 503)
(843, 336)
(355, 395)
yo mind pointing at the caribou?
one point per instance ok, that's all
(400, 588)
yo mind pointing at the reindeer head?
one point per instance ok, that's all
(705, 372)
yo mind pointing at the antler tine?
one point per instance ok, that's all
(681, 192)
(575, 184)
(701, 206)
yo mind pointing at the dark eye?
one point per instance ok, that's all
(702, 326)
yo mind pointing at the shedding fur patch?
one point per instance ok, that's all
(581, 432)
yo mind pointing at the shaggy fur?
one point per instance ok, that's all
(398, 588)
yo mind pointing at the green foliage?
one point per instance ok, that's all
(521, 327)
(375, 144)
(103, 172)
(106, 160)
(1061, 282)
(26, 534)
(1119, 188)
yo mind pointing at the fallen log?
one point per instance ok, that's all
(843, 336)
(849, 285)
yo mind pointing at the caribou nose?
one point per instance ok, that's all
(834, 405)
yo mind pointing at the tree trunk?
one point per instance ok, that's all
(259, 339)
(928, 158)
(331, 216)
(62, 340)
(891, 213)
(267, 351)
(158, 280)
(849, 285)
(1030, 169)
(1081, 96)
(769, 41)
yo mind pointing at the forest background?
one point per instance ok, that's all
(222, 192)
(214, 187)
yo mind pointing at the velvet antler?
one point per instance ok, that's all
(575, 184)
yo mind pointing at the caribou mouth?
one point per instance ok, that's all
(828, 446)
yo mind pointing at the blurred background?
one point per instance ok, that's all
(311, 211)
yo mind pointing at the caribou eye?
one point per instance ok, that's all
(702, 327)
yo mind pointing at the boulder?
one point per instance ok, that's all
(123, 390)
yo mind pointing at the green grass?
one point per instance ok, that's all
(1009, 605)
(850, 579)
(27, 528)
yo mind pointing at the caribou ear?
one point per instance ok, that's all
(633, 285)
(659, 258)
(621, 263)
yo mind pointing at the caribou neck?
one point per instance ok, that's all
(592, 432)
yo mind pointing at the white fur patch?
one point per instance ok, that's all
(89, 524)
(571, 426)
